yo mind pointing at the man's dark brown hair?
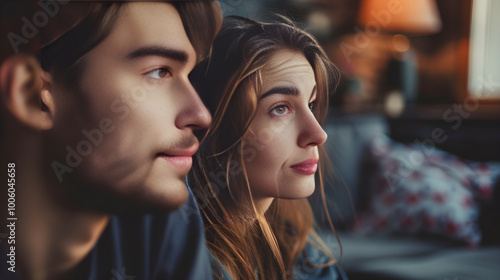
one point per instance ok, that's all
(91, 22)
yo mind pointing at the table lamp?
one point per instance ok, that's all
(400, 19)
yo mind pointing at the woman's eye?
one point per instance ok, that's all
(280, 110)
(158, 73)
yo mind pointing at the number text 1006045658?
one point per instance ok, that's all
(11, 218)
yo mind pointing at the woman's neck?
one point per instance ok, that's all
(263, 204)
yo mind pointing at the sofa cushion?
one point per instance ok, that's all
(418, 190)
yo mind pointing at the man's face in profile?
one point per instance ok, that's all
(133, 119)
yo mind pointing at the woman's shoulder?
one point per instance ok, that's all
(302, 269)
(218, 269)
(306, 266)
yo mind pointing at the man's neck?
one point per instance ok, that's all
(51, 238)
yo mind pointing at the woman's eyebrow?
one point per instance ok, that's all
(286, 90)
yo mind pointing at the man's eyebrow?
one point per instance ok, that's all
(286, 90)
(313, 92)
(177, 55)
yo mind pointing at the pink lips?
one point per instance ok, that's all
(306, 167)
(181, 159)
(183, 163)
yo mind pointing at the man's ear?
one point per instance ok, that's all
(22, 92)
(47, 97)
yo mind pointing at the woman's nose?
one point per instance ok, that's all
(311, 132)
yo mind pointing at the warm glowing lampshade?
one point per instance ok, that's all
(411, 17)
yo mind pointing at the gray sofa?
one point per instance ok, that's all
(401, 256)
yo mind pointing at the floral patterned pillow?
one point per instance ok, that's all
(417, 189)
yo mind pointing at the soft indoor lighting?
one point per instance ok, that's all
(410, 17)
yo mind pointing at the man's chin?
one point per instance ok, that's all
(143, 201)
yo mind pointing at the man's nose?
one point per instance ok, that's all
(193, 115)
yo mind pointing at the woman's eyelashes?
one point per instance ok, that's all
(158, 74)
(283, 109)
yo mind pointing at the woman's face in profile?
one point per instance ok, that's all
(284, 135)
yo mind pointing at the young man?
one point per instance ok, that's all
(99, 193)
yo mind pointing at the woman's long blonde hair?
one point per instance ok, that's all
(249, 244)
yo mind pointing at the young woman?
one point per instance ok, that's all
(267, 87)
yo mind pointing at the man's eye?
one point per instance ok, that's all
(311, 106)
(158, 73)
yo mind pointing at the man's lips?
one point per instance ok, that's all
(306, 167)
(181, 159)
(183, 163)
